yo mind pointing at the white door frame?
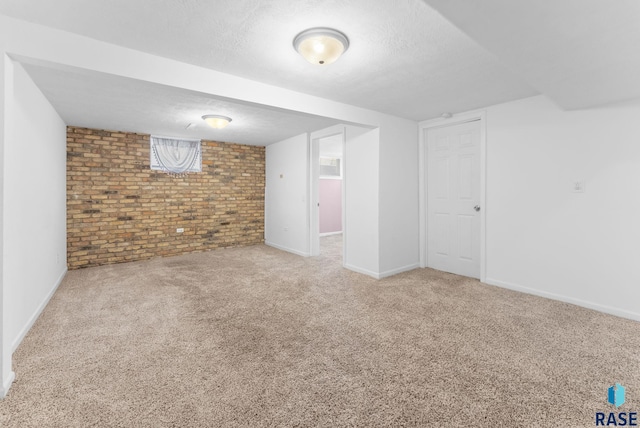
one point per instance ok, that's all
(314, 181)
(422, 155)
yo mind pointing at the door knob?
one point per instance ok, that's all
(477, 208)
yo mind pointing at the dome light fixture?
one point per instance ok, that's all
(216, 121)
(321, 46)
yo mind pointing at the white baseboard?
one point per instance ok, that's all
(363, 271)
(623, 313)
(37, 313)
(4, 388)
(322, 235)
(385, 274)
(289, 250)
(398, 270)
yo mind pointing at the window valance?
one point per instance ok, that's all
(175, 156)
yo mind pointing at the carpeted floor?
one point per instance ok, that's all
(258, 337)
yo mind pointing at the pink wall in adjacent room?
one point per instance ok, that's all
(330, 205)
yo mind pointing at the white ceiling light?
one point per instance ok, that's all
(321, 46)
(216, 121)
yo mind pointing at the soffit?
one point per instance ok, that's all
(103, 101)
(580, 53)
(405, 59)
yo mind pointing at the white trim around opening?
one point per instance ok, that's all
(314, 180)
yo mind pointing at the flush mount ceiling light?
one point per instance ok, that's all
(321, 46)
(216, 121)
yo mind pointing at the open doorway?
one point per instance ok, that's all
(330, 171)
(327, 179)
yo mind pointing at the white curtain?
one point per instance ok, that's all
(175, 156)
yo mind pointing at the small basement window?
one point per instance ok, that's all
(175, 156)
(330, 167)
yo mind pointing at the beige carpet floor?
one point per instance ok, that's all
(257, 337)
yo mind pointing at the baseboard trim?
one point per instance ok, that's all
(385, 274)
(37, 313)
(362, 271)
(4, 388)
(289, 250)
(322, 235)
(398, 270)
(578, 302)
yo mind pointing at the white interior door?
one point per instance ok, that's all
(453, 198)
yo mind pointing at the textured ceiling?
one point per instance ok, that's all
(580, 53)
(405, 59)
(410, 58)
(106, 102)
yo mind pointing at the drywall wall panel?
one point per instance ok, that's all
(362, 200)
(6, 374)
(286, 195)
(562, 202)
(34, 244)
(399, 208)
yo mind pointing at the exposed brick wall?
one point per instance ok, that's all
(118, 210)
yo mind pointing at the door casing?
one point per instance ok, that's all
(314, 179)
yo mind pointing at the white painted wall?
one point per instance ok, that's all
(362, 200)
(286, 195)
(542, 238)
(34, 205)
(399, 208)
(6, 373)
